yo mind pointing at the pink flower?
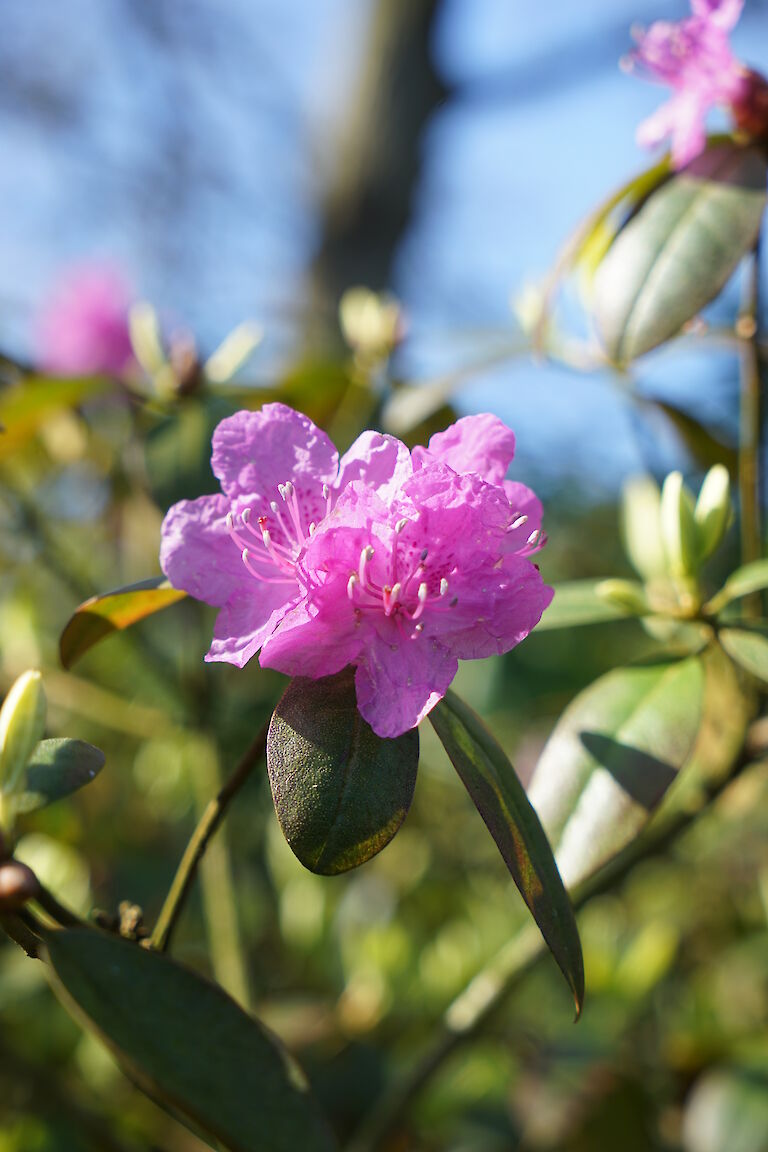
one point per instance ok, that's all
(398, 565)
(693, 57)
(83, 327)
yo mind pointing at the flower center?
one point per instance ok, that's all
(279, 532)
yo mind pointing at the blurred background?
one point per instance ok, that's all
(250, 160)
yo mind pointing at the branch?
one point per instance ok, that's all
(195, 850)
(750, 422)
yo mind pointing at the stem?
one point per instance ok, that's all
(195, 850)
(750, 423)
(491, 987)
(58, 912)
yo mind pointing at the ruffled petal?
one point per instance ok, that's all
(723, 14)
(315, 638)
(196, 552)
(497, 613)
(246, 622)
(382, 462)
(523, 502)
(399, 683)
(254, 452)
(481, 444)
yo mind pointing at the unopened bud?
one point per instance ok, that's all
(641, 527)
(22, 724)
(713, 510)
(18, 884)
(371, 322)
(626, 595)
(678, 527)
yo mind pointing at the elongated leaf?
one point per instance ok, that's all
(24, 407)
(749, 649)
(743, 582)
(500, 799)
(676, 254)
(341, 792)
(57, 768)
(612, 756)
(576, 602)
(188, 1044)
(113, 612)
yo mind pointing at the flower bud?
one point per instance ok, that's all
(623, 594)
(18, 884)
(371, 322)
(678, 527)
(22, 724)
(641, 527)
(713, 510)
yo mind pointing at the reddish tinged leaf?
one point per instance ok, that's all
(114, 612)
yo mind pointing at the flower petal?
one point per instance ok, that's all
(481, 444)
(721, 13)
(399, 683)
(247, 621)
(513, 599)
(254, 452)
(523, 502)
(196, 552)
(314, 638)
(383, 462)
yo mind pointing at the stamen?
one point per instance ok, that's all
(401, 524)
(365, 558)
(518, 523)
(534, 537)
(247, 560)
(351, 585)
(443, 586)
(327, 498)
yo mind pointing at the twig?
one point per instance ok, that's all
(750, 422)
(195, 850)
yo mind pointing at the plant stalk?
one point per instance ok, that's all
(195, 850)
(750, 425)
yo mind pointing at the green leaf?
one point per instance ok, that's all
(113, 612)
(500, 799)
(577, 602)
(26, 406)
(743, 582)
(188, 1044)
(612, 756)
(56, 769)
(749, 649)
(678, 251)
(341, 792)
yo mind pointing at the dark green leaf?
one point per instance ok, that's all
(188, 1044)
(341, 792)
(577, 602)
(57, 768)
(678, 251)
(613, 754)
(500, 799)
(749, 649)
(112, 612)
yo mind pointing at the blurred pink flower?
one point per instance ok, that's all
(399, 565)
(694, 58)
(83, 326)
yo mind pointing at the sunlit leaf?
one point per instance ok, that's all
(57, 768)
(743, 582)
(500, 798)
(577, 602)
(614, 753)
(187, 1043)
(26, 405)
(341, 792)
(678, 251)
(748, 648)
(113, 612)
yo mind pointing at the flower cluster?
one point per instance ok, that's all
(83, 326)
(398, 563)
(693, 57)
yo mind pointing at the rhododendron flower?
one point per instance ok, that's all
(83, 327)
(694, 58)
(398, 564)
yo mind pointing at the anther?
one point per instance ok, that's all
(534, 537)
(424, 555)
(274, 506)
(401, 524)
(518, 523)
(454, 602)
(422, 593)
(443, 586)
(351, 584)
(312, 528)
(246, 515)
